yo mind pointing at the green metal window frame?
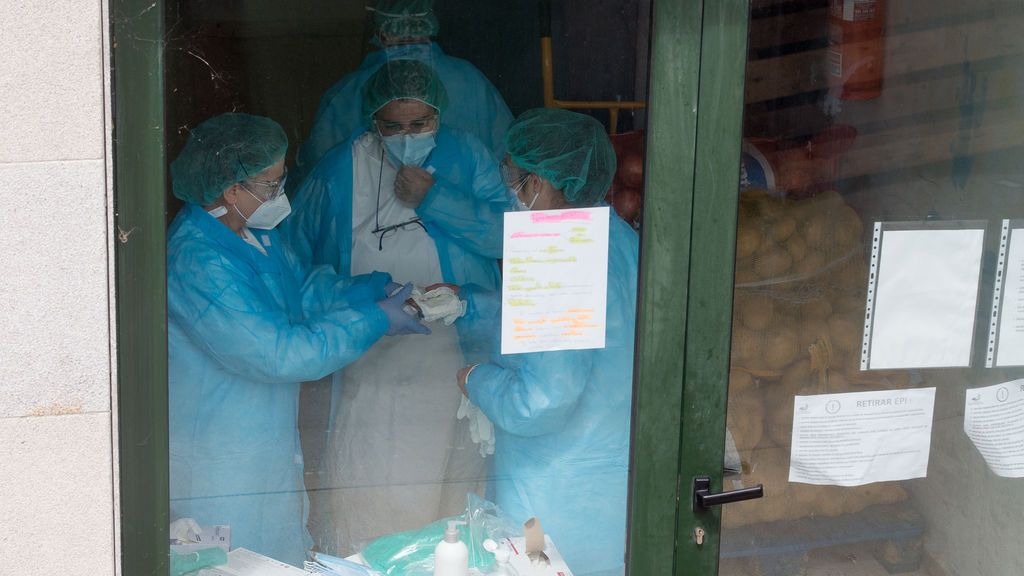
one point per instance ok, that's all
(698, 51)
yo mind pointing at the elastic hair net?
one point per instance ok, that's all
(403, 79)
(569, 149)
(405, 18)
(222, 151)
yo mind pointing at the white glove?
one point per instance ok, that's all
(481, 431)
(441, 303)
(185, 531)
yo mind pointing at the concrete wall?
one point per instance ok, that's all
(57, 477)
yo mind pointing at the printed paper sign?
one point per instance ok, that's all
(994, 421)
(555, 280)
(861, 437)
(1010, 348)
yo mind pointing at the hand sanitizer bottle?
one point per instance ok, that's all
(451, 556)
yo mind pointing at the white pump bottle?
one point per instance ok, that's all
(451, 556)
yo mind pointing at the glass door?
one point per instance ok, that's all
(874, 357)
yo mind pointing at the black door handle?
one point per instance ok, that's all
(704, 499)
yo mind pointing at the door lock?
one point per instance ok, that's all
(704, 499)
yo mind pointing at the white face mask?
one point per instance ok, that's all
(409, 149)
(269, 214)
(517, 204)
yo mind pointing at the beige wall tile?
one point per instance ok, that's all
(55, 356)
(57, 503)
(51, 80)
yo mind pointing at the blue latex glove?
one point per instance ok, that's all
(399, 322)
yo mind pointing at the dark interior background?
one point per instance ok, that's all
(276, 58)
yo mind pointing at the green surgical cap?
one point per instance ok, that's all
(569, 149)
(405, 18)
(222, 151)
(403, 79)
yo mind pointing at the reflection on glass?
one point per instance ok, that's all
(857, 113)
(336, 383)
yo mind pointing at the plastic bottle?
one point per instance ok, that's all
(502, 565)
(451, 556)
(502, 559)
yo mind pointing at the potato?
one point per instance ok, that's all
(846, 334)
(780, 347)
(748, 240)
(746, 348)
(852, 275)
(812, 264)
(797, 247)
(741, 382)
(818, 231)
(819, 308)
(755, 311)
(798, 375)
(810, 331)
(745, 419)
(780, 230)
(772, 262)
(778, 401)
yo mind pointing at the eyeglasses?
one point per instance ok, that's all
(513, 177)
(389, 231)
(277, 186)
(389, 128)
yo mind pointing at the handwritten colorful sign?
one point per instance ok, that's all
(555, 281)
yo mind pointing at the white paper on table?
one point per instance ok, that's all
(994, 421)
(861, 437)
(243, 562)
(923, 299)
(1006, 340)
(555, 280)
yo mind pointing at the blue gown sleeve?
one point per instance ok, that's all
(312, 228)
(249, 334)
(473, 216)
(535, 397)
(325, 289)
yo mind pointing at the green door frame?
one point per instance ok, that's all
(709, 312)
(140, 281)
(698, 51)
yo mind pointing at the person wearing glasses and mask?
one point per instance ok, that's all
(413, 197)
(246, 323)
(562, 418)
(403, 29)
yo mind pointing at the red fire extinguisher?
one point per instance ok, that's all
(856, 54)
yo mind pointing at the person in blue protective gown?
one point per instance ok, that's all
(562, 418)
(246, 324)
(413, 197)
(403, 30)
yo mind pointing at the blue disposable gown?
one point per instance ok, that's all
(244, 329)
(561, 423)
(475, 107)
(463, 213)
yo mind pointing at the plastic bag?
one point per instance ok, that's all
(411, 553)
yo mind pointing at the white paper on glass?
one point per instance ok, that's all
(1006, 341)
(994, 421)
(923, 300)
(243, 562)
(555, 280)
(861, 437)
